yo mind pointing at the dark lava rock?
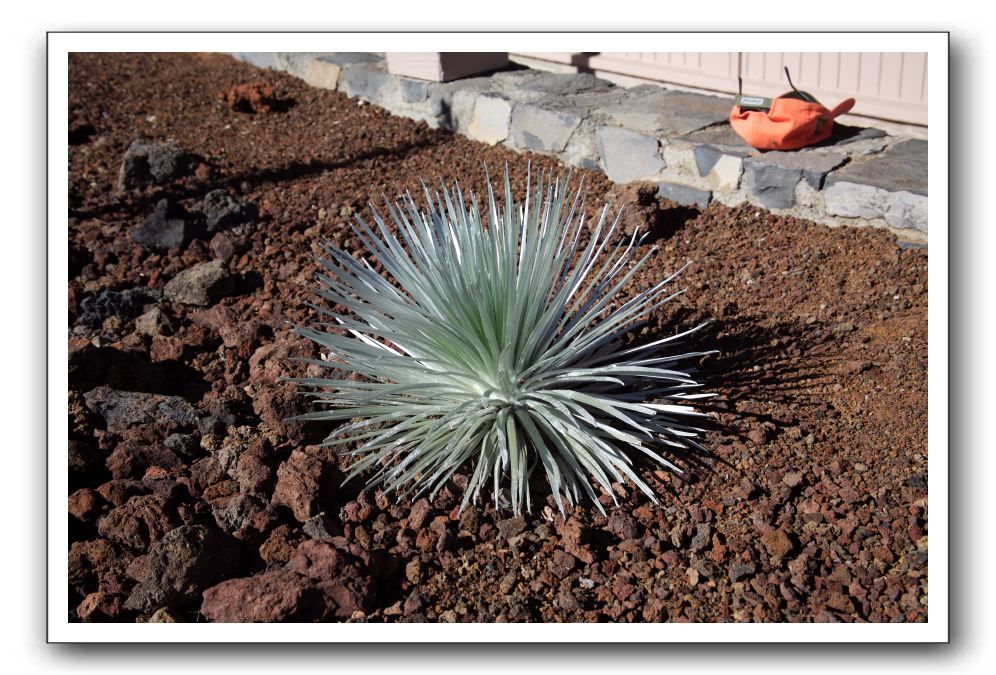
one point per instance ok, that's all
(265, 598)
(154, 322)
(244, 336)
(276, 406)
(447, 542)
(227, 244)
(511, 527)
(322, 527)
(95, 308)
(118, 491)
(202, 285)
(182, 564)
(742, 570)
(85, 505)
(222, 211)
(96, 563)
(319, 582)
(280, 546)
(148, 162)
(123, 409)
(415, 603)
(168, 226)
(131, 459)
(342, 577)
(165, 348)
(305, 484)
(99, 607)
(217, 421)
(703, 535)
(574, 536)
(421, 510)
(206, 472)
(622, 525)
(270, 361)
(562, 564)
(247, 459)
(251, 470)
(140, 521)
(184, 445)
(238, 512)
(777, 543)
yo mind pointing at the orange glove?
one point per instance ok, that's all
(790, 124)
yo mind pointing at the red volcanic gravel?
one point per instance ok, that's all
(192, 498)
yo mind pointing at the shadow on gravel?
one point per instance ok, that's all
(134, 205)
(667, 221)
(763, 361)
(757, 361)
(126, 371)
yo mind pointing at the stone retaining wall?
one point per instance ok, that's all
(681, 141)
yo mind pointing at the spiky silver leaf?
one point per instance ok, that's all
(497, 346)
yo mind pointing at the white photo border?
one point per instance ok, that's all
(935, 44)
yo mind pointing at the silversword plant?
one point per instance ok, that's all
(497, 340)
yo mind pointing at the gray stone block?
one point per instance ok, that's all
(543, 129)
(319, 72)
(295, 63)
(628, 156)
(903, 210)
(585, 163)
(773, 186)
(666, 114)
(439, 106)
(414, 91)
(907, 211)
(814, 165)
(532, 85)
(449, 105)
(845, 135)
(684, 195)
(346, 59)
(901, 167)
(364, 80)
(721, 136)
(258, 59)
(582, 149)
(462, 104)
(706, 157)
(490, 120)
(854, 200)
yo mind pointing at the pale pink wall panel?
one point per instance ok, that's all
(876, 80)
(890, 86)
(829, 69)
(914, 78)
(869, 73)
(891, 78)
(708, 70)
(848, 71)
(809, 67)
(555, 57)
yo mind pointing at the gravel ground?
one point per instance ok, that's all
(191, 498)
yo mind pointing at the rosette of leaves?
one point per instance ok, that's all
(497, 337)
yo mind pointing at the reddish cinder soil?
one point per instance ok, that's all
(190, 497)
